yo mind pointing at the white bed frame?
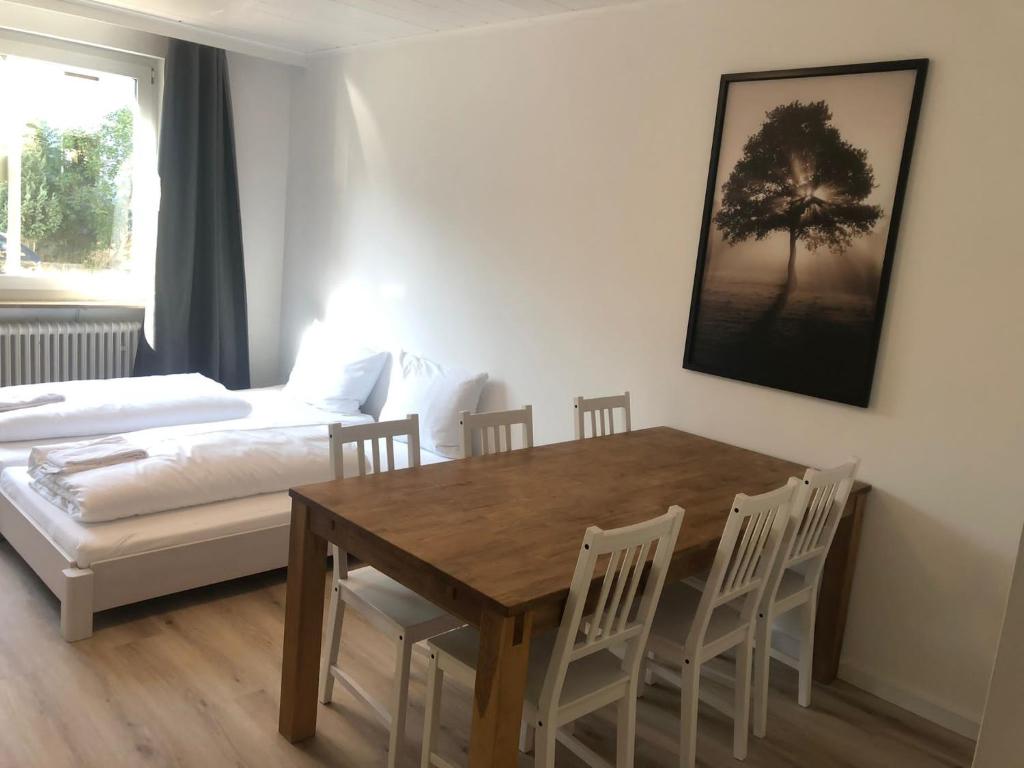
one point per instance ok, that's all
(120, 581)
(123, 580)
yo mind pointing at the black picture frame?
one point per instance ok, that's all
(859, 394)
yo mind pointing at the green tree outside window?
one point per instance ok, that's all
(76, 193)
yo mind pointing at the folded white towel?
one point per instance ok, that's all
(16, 402)
(68, 458)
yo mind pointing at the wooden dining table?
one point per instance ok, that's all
(494, 541)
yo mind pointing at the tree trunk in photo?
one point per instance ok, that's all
(791, 269)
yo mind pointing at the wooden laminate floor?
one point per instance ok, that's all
(192, 680)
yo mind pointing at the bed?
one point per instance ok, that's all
(92, 567)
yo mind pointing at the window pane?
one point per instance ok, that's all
(73, 131)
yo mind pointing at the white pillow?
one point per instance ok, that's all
(329, 375)
(437, 394)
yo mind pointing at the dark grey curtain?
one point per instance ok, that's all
(200, 321)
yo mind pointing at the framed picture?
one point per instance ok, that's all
(808, 173)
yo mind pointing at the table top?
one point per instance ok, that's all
(505, 530)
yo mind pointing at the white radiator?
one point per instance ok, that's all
(35, 353)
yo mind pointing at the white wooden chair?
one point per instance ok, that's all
(491, 432)
(388, 606)
(602, 415)
(692, 627)
(816, 512)
(572, 672)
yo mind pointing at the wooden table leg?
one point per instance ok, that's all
(303, 624)
(834, 598)
(500, 684)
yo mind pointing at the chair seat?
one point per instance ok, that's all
(583, 678)
(676, 612)
(792, 584)
(792, 591)
(380, 593)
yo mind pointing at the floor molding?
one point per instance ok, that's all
(960, 723)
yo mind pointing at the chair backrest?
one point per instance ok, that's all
(601, 411)
(816, 511)
(746, 556)
(373, 434)
(624, 609)
(491, 432)
(361, 434)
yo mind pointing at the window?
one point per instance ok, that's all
(78, 191)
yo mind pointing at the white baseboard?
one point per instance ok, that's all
(964, 724)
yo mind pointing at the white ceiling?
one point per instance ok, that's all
(306, 27)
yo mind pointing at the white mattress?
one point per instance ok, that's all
(270, 407)
(90, 543)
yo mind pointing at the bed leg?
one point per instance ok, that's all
(76, 604)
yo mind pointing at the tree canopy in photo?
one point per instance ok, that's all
(73, 196)
(798, 175)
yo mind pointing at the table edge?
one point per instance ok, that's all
(486, 601)
(860, 488)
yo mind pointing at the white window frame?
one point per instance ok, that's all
(147, 72)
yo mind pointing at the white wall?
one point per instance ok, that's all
(999, 743)
(527, 201)
(261, 100)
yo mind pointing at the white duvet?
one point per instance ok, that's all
(192, 468)
(120, 405)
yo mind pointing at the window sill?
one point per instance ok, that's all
(98, 289)
(67, 311)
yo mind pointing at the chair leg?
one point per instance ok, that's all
(646, 676)
(527, 737)
(399, 699)
(544, 757)
(741, 705)
(689, 688)
(762, 666)
(432, 711)
(335, 616)
(806, 652)
(625, 737)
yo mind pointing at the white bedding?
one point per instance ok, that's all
(426, 457)
(88, 544)
(186, 466)
(121, 405)
(17, 398)
(189, 465)
(267, 407)
(272, 406)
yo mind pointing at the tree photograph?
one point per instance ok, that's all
(795, 246)
(798, 176)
